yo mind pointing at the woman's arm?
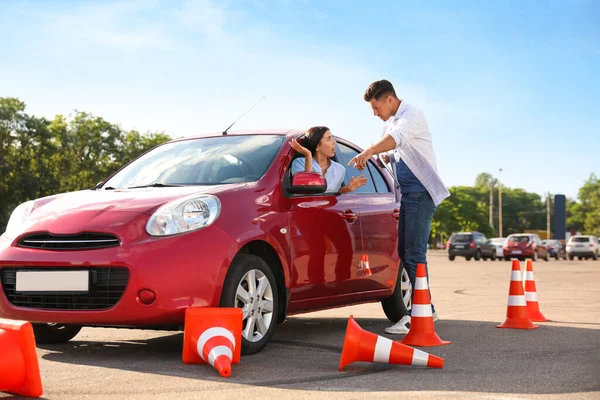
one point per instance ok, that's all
(305, 152)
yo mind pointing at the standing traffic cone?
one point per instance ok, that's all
(360, 345)
(422, 329)
(19, 369)
(533, 308)
(214, 336)
(516, 313)
(364, 265)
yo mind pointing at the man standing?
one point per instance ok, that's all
(421, 187)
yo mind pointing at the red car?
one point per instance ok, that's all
(212, 221)
(525, 245)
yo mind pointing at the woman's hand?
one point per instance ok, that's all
(299, 148)
(356, 182)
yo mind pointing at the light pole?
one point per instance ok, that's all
(548, 216)
(492, 203)
(499, 204)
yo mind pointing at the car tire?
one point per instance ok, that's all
(468, 258)
(547, 258)
(245, 269)
(571, 258)
(493, 257)
(595, 257)
(54, 333)
(397, 305)
(451, 258)
(478, 255)
(557, 257)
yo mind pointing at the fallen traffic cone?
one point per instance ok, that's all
(364, 265)
(533, 308)
(516, 312)
(19, 369)
(422, 329)
(214, 336)
(360, 345)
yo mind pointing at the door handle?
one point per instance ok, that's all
(349, 216)
(396, 214)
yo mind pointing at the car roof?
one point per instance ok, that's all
(281, 132)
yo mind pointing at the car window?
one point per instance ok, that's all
(461, 238)
(204, 161)
(579, 239)
(345, 154)
(518, 238)
(380, 184)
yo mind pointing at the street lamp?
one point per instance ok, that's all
(499, 204)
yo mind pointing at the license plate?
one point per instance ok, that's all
(516, 251)
(459, 246)
(52, 281)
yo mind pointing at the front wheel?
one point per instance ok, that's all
(251, 286)
(493, 256)
(478, 255)
(397, 305)
(54, 333)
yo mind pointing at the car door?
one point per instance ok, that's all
(379, 215)
(325, 243)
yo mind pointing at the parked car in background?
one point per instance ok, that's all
(583, 246)
(470, 245)
(498, 243)
(555, 248)
(525, 245)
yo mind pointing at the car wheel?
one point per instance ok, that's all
(535, 255)
(397, 305)
(493, 258)
(547, 258)
(595, 257)
(54, 333)
(451, 258)
(580, 258)
(556, 257)
(571, 258)
(468, 258)
(478, 255)
(251, 286)
(506, 258)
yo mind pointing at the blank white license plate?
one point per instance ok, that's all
(52, 281)
(459, 247)
(516, 251)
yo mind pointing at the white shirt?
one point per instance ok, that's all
(414, 146)
(334, 175)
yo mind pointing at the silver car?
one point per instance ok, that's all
(498, 243)
(583, 246)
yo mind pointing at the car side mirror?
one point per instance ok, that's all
(308, 183)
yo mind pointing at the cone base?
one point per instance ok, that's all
(424, 340)
(517, 323)
(538, 318)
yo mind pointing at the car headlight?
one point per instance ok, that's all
(19, 215)
(184, 215)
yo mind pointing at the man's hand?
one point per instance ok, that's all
(360, 161)
(299, 148)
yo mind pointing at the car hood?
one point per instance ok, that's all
(143, 200)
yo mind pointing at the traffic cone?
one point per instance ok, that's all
(364, 265)
(516, 312)
(19, 369)
(214, 336)
(422, 330)
(360, 345)
(533, 308)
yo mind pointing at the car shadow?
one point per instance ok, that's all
(304, 354)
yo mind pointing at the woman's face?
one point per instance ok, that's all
(326, 146)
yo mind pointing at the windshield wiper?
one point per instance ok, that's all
(155, 184)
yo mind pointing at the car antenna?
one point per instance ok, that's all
(225, 131)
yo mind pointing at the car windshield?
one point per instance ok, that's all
(580, 239)
(497, 240)
(460, 238)
(518, 239)
(204, 161)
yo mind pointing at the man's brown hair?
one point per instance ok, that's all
(379, 89)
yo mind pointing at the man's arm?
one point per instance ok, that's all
(386, 143)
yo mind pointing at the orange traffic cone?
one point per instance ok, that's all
(533, 308)
(19, 369)
(360, 345)
(214, 336)
(516, 313)
(422, 329)
(364, 265)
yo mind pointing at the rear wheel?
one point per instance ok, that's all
(468, 258)
(493, 256)
(571, 257)
(397, 305)
(54, 333)
(478, 255)
(251, 286)
(451, 258)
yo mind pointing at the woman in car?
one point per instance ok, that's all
(317, 148)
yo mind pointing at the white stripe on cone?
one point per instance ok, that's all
(212, 332)
(421, 310)
(515, 276)
(529, 276)
(531, 296)
(218, 351)
(420, 358)
(421, 284)
(383, 349)
(516, 301)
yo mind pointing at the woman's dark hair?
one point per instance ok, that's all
(313, 138)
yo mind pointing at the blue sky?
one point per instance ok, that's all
(511, 85)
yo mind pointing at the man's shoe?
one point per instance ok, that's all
(435, 316)
(400, 327)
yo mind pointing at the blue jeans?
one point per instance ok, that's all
(416, 214)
